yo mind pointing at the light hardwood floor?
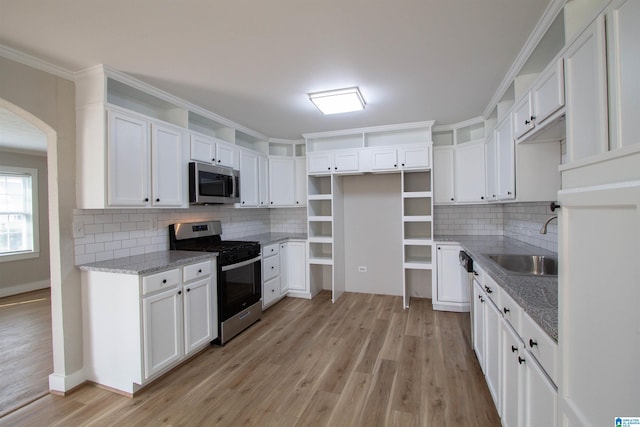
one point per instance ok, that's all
(363, 361)
(25, 348)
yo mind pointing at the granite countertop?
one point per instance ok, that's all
(148, 263)
(268, 238)
(537, 295)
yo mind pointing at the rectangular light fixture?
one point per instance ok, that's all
(338, 101)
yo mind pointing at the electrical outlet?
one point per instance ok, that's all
(362, 269)
(78, 229)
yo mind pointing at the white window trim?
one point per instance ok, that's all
(35, 253)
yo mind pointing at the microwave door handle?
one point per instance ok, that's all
(241, 264)
(233, 186)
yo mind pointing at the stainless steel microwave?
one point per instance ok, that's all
(209, 184)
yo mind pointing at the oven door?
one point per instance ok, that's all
(239, 286)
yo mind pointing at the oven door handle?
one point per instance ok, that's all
(241, 264)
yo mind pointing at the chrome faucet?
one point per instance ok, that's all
(543, 230)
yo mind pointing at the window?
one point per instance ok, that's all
(18, 213)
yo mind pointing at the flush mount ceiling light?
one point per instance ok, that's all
(338, 101)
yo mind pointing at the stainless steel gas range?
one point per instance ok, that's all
(239, 274)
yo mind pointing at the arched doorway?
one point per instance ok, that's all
(21, 127)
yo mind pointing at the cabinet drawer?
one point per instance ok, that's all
(492, 289)
(541, 346)
(195, 271)
(162, 280)
(271, 267)
(271, 291)
(511, 311)
(270, 250)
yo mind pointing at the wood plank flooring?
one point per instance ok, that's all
(363, 361)
(25, 348)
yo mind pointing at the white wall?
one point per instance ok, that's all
(522, 221)
(29, 274)
(373, 233)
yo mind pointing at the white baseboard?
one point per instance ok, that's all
(64, 383)
(25, 287)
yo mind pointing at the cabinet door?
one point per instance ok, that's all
(547, 96)
(491, 155)
(414, 158)
(345, 161)
(296, 266)
(470, 172)
(479, 303)
(202, 148)
(162, 330)
(300, 181)
(284, 268)
(249, 170)
(263, 181)
(540, 396)
(198, 314)
(270, 291)
(319, 163)
(512, 377)
(493, 350)
(281, 181)
(226, 155)
(523, 117)
(505, 156)
(450, 286)
(591, 218)
(586, 94)
(168, 169)
(128, 160)
(623, 55)
(384, 159)
(443, 188)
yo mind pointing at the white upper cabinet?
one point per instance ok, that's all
(384, 159)
(547, 95)
(523, 118)
(469, 171)
(249, 185)
(623, 55)
(300, 181)
(414, 157)
(586, 94)
(145, 163)
(208, 150)
(505, 162)
(345, 161)
(319, 163)
(491, 156)
(281, 181)
(263, 181)
(128, 160)
(443, 173)
(168, 169)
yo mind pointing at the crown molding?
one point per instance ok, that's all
(554, 7)
(37, 63)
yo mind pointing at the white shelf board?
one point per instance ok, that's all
(320, 239)
(417, 242)
(417, 218)
(418, 265)
(417, 194)
(319, 196)
(321, 261)
(320, 218)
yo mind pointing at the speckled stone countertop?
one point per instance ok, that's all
(268, 238)
(537, 295)
(148, 263)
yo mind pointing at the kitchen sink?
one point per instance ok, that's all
(535, 265)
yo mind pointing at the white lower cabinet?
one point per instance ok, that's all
(284, 271)
(452, 290)
(271, 276)
(517, 358)
(294, 271)
(162, 331)
(138, 327)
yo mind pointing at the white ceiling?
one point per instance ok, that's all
(255, 61)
